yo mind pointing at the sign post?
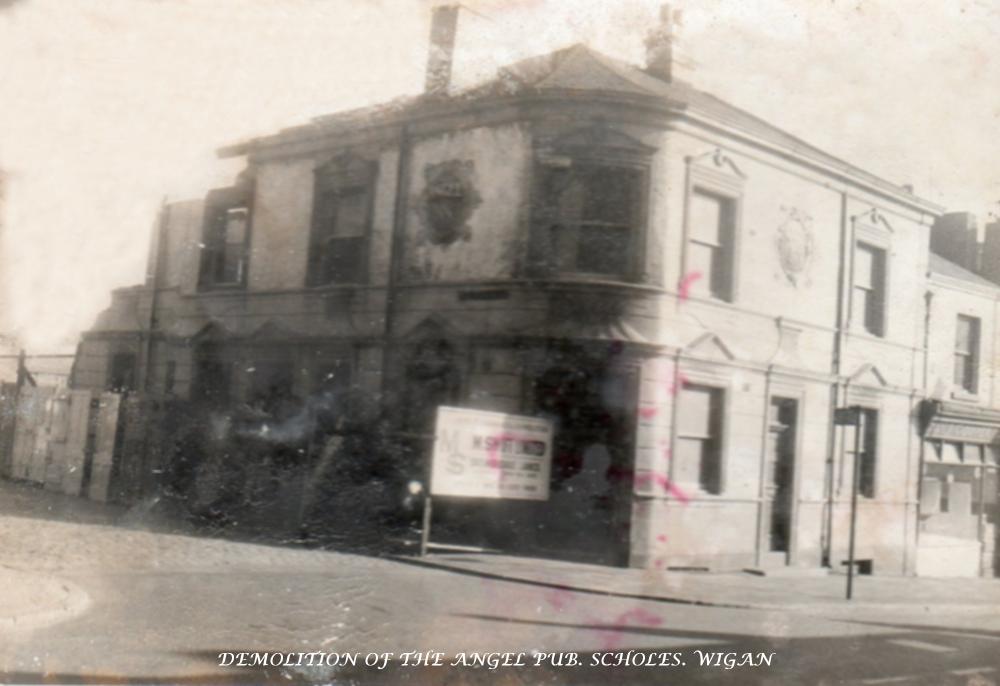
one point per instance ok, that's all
(480, 454)
(846, 417)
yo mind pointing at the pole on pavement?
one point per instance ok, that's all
(858, 423)
(425, 530)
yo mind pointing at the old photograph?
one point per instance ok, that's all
(499, 342)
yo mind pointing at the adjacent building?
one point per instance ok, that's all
(687, 291)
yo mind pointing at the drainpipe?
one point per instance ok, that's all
(826, 540)
(396, 245)
(154, 279)
(921, 447)
(762, 488)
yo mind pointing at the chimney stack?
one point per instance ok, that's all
(444, 26)
(955, 237)
(991, 252)
(660, 58)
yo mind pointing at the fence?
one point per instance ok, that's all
(65, 440)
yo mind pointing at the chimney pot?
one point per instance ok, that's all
(444, 27)
(660, 45)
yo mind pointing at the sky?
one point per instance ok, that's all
(110, 107)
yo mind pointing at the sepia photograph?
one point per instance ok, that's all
(509, 342)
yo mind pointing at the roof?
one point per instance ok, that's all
(942, 267)
(580, 69)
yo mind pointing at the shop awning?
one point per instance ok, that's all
(951, 421)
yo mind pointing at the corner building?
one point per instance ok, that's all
(686, 290)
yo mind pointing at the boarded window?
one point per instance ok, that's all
(967, 353)
(868, 306)
(711, 228)
(699, 438)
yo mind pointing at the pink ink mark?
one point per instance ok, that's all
(493, 451)
(637, 616)
(558, 598)
(676, 386)
(648, 412)
(646, 478)
(662, 538)
(658, 563)
(684, 287)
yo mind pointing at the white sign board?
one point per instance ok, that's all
(491, 455)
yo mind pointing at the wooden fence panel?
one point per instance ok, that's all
(104, 448)
(76, 441)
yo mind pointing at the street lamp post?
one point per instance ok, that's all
(846, 417)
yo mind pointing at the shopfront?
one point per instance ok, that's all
(958, 490)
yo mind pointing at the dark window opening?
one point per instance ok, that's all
(212, 378)
(866, 459)
(224, 246)
(121, 377)
(869, 289)
(967, 353)
(595, 216)
(339, 245)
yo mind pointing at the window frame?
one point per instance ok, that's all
(969, 383)
(340, 177)
(869, 452)
(729, 189)
(130, 370)
(718, 406)
(596, 146)
(214, 244)
(880, 252)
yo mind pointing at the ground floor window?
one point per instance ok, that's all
(867, 456)
(699, 437)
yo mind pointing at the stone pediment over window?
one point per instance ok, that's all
(598, 139)
(711, 346)
(273, 331)
(345, 169)
(207, 333)
(868, 375)
(431, 328)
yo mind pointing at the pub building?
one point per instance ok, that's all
(686, 291)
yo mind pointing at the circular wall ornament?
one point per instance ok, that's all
(796, 244)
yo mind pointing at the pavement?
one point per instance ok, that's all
(806, 592)
(113, 595)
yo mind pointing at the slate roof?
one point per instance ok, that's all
(581, 69)
(943, 267)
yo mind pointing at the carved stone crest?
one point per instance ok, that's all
(448, 200)
(796, 244)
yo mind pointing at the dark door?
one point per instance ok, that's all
(780, 477)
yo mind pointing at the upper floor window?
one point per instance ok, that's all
(869, 289)
(225, 247)
(711, 230)
(588, 208)
(699, 437)
(121, 374)
(338, 251)
(967, 353)
(597, 211)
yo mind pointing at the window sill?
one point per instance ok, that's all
(222, 287)
(965, 396)
(321, 287)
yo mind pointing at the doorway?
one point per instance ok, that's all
(779, 481)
